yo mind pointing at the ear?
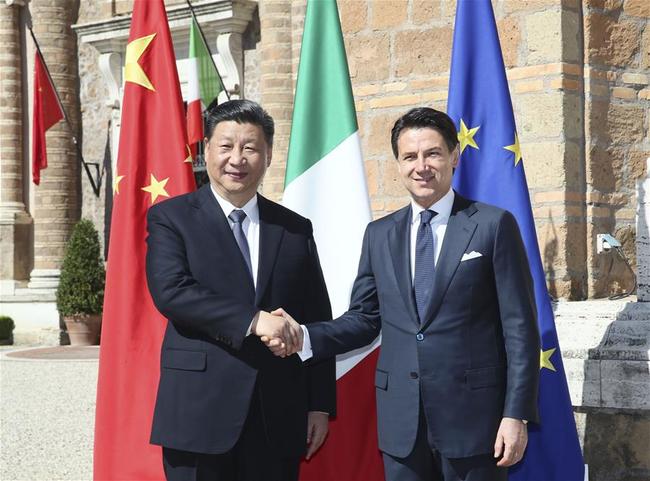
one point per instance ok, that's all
(268, 156)
(455, 156)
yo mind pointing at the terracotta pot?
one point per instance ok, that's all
(83, 329)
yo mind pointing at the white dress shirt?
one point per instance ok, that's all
(251, 226)
(438, 226)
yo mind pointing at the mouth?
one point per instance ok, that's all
(237, 175)
(424, 180)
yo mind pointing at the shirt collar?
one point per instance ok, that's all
(442, 207)
(250, 208)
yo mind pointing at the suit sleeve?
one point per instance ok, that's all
(361, 324)
(180, 298)
(518, 312)
(321, 374)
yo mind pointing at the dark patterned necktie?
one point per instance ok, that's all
(238, 217)
(424, 263)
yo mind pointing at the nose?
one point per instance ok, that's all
(421, 164)
(237, 157)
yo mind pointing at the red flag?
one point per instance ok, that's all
(47, 112)
(350, 451)
(152, 165)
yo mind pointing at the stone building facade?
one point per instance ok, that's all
(579, 75)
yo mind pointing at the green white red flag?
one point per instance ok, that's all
(325, 181)
(204, 84)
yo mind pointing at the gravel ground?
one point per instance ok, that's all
(47, 409)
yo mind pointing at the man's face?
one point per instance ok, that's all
(236, 157)
(425, 164)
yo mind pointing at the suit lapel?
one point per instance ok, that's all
(270, 238)
(221, 236)
(460, 230)
(399, 238)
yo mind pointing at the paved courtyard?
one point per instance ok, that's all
(47, 406)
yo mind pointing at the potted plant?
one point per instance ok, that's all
(6, 330)
(80, 295)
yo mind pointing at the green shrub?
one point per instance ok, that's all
(81, 287)
(6, 327)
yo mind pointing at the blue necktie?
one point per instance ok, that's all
(237, 217)
(424, 264)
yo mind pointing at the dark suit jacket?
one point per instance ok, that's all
(198, 279)
(475, 357)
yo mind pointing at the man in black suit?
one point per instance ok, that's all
(218, 260)
(446, 281)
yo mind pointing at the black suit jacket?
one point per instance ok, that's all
(474, 358)
(198, 279)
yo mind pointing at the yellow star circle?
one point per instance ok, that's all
(545, 359)
(132, 70)
(156, 188)
(515, 148)
(466, 136)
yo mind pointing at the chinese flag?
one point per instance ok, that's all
(47, 112)
(152, 166)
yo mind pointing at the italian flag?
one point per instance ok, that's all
(204, 85)
(325, 181)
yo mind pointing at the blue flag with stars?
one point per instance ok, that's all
(491, 170)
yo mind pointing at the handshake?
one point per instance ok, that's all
(278, 331)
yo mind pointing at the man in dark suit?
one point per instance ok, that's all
(446, 281)
(218, 260)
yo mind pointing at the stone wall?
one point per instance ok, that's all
(579, 83)
(575, 111)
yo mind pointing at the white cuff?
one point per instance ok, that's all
(306, 352)
(250, 328)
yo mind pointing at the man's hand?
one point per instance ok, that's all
(277, 344)
(282, 331)
(317, 428)
(511, 441)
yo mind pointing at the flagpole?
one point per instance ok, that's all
(208, 47)
(95, 186)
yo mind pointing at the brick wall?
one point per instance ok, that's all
(562, 58)
(578, 74)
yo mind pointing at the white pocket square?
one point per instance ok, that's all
(470, 255)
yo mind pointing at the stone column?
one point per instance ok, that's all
(643, 237)
(15, 223)
(276, 84)
(56, 201)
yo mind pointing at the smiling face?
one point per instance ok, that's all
(236, 158)
(425, 164)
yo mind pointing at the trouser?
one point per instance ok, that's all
(251, 459)
(425, 463)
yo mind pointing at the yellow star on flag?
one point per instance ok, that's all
(156, 188)
(545, 359)
(466, 136)
(189, 154)
(516, 148)
(116, 184)
(132, 70)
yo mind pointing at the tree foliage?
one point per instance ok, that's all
(81, 287)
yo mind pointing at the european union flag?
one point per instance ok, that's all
(491, 170)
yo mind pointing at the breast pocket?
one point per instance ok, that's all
(381, 380)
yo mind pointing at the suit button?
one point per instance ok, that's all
(420, 336)
(414, 375)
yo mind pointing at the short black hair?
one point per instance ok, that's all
(425, 117)
(241, 111)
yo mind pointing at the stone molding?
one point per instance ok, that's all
(605, 348)
(223, 23)
(18, 3)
